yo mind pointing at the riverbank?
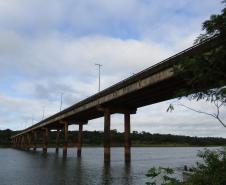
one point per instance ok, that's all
(138, 139)
(134, 146)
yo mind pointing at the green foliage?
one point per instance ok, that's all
(215, 26)
(204, 73)
(5, 137)
(211, 171)
(163, 176)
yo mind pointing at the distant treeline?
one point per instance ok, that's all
(96, 138)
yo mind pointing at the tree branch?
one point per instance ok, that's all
(216, 116)
(198, 111)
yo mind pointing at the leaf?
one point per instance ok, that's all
(170, 108)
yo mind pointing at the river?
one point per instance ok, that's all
(34, 168)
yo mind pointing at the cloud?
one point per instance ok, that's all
(50, 47)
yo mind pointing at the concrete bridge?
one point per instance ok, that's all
(152, 85)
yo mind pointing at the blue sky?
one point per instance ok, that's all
(50, 47)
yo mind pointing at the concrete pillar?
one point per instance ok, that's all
(127, 137)
(57, 140)
(65, 139)
(23, 142)
(45, 139)
(20, 142)
(34, 140)
(15, 140)
(28, 141)
(107, 138)
(80, 140)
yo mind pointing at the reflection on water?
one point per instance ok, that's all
(35, 168)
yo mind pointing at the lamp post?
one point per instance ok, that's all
(61, 100)
(99, 66)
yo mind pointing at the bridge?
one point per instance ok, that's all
(152, 85)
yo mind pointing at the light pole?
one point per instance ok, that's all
(99, 66)
(43, 112)
(61, 100)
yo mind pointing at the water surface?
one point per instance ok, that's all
(34, 168)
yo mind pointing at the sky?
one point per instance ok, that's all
(49, 48)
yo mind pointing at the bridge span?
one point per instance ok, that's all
(152, 85)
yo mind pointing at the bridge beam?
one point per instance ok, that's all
(127, 137)
(107, 137)
(45, 139)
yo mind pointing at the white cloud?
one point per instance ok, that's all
(49, 47)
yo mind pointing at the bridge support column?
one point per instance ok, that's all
(20, 142)
(23, 142)
(127, 137)
(80, 140)
(45, 139)
(34, 140)
(57, 140)
(65, 139)
(107, 138)
(15, 140)
(28, 145)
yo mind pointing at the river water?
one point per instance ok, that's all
(34, 168)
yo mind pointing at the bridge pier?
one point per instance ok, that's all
(127, 137)
(80, 140)
(65, 139)
(45, 139)
(34, 140)
(57, 140)
(107, 137)
(28, 143)
(14, 142)
(19, 142)
(23, 142)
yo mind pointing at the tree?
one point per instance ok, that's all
(205, 74)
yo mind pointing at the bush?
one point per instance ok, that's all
(211, 171)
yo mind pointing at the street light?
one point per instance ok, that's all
(43, 112)
(99, 66)
(61, 100)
